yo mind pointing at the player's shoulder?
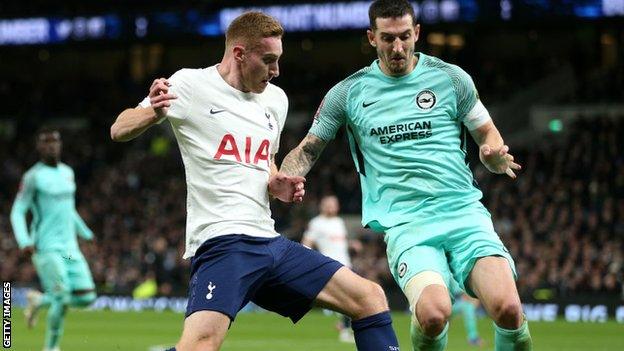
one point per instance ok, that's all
(188, 75)
(66, 168)
(443, 67)
(272, 91)
(354, 79)
(33, 171)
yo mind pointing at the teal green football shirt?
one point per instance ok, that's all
(48, 192)
(407, 139)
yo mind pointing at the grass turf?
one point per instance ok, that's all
(105, 330)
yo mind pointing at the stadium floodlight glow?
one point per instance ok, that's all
(339, 15)
(555, 125)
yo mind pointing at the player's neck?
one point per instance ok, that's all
(50, 162)
(231, 75)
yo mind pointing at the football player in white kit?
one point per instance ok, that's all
(227, 119)
(327, 233)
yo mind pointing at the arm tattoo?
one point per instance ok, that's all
(300, 160)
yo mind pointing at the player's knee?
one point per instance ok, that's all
(370, 300)
(433, 318)
(83, 300)
(433, 310)
(61, 297)
(507, 313)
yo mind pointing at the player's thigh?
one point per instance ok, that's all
(492, 280)
(418, 259)
(295, 280)
(80, 278)
(225, 273)
(52, 270)
(203, 331)
(352, 295)
(472, 241)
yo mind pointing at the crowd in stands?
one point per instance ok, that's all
(562, 219)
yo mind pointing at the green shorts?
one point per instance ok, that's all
(62, 273)
(449, 244)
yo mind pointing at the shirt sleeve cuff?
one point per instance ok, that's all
(477, 117)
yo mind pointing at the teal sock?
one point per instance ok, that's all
(513, 340)
(46, 300)
(469, 314)
(82, 300)
(56, 321)
(422, 342)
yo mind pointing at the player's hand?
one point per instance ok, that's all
(28, 251)
(160, 98)
(498, 160)
(287, 188)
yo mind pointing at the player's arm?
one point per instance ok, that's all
(21, 205)
(81, 227)
(132, 122)
(493, 152)
(300, 160)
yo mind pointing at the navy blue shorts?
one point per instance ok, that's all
(275, 273)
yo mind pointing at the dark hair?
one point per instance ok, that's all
(390, 9)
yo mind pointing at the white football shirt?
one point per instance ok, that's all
(226, 138)
(330, 237)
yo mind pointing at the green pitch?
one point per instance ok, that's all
(140, 331)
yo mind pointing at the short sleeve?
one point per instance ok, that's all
(466, 92)
(181, 85)
(281, 114)
(331, 113)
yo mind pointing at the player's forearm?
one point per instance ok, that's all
(20, 228)
(488, 134)
(132, 122)
(300, 160)
(82, 228)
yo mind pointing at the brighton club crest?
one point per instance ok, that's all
(426, 99)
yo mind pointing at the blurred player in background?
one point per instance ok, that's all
(48, 191)
(467, 306)
(227, 120)
(328, 234)
(406, 117)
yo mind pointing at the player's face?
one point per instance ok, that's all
(260, 64)
(49, 146)
(395, 39)
(330, 206)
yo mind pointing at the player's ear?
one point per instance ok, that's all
(371, 38)
(416, 32)
(239, 53)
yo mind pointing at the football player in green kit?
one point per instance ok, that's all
(407, 116)
(47, 191)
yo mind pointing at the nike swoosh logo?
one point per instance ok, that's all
(365, 105)
(214, 112)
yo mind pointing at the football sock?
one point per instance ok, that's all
(56, 321)
(46, 300)
(375, 333)
(422, 342)
(513, 340)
